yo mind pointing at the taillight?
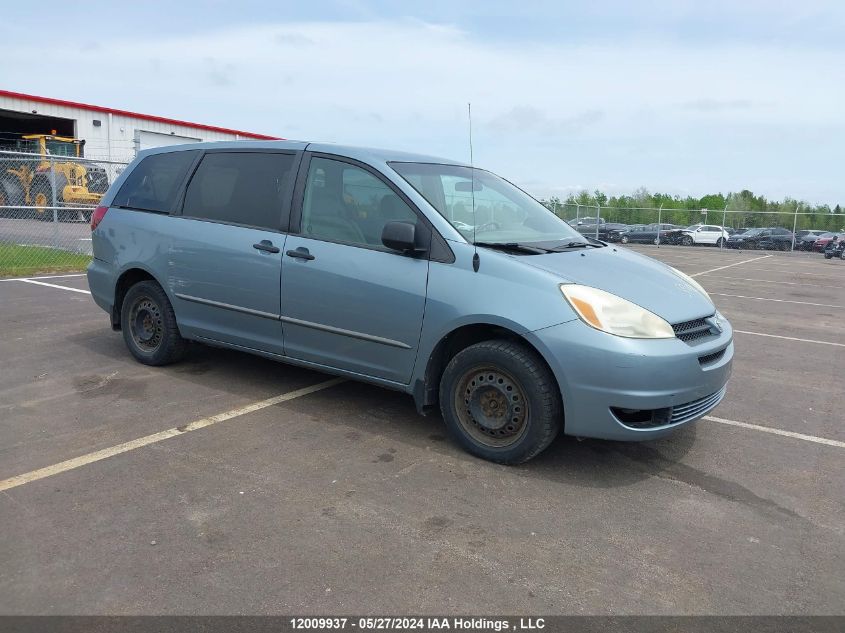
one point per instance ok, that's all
(97, 216)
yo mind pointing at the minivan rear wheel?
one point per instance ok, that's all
(149, 325)
(500, 402)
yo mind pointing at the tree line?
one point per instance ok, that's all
(739, 210)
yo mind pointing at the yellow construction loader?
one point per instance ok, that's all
(32, 182)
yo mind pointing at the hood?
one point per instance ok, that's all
(639, 279)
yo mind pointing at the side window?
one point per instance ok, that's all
(154, 184)
(246, 188)
(344, 203)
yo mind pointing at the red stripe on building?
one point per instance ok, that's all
(136, 115)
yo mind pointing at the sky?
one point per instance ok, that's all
(683, 97)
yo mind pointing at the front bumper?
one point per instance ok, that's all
(602, 377)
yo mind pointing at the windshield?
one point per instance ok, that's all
(61, 148)
(502, 213)
(753, 232)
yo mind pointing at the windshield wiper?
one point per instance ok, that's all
(594, 244)
(514, 246)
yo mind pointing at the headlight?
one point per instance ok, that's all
(692, 282)
(614, 315)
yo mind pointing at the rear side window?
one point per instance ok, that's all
(241, 188)
(154, 184)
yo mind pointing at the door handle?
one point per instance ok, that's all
(266, 246)
(300, 253)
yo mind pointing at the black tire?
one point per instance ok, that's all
(686, 240)
(720, 242)
(500, 401)
(41, 196)
(149, 325)
(624, 239)
(10, 195)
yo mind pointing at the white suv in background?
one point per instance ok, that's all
(704, 234)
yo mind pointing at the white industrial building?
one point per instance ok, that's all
(109, 134)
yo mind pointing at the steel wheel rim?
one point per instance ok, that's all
(491, 406)
(146, 324)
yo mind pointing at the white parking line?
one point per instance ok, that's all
(744, 261)
(43, 277)
(787, 283)
(790, 338)
(42, 283)
(781, 432)
(803, 303)
(96, 456)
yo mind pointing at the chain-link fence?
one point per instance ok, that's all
(47, 196)
(783, 230)
(48, 192)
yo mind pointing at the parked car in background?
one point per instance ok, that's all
(835, 248)
(778, 240)
(805, 239)
(649, 233)
(599, 230)
(824, 239)
(752, 238)
(704, 234)
(620, 234)
(586, 221)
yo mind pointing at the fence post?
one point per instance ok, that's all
(724, 219)
(794, 227)
(659, 218)
(598, 215)
(577, 213)
(53, 203)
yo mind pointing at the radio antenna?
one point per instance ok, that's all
(475, 258)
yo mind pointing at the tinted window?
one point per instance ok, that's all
(240, 188)
(154, 184)
(344, 203)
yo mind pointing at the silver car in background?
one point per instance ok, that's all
(410, 272)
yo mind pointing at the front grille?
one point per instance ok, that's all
(711, 358)
(652, 418)
(696, 408)
(692, 330)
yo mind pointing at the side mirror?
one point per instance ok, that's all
(400, 236)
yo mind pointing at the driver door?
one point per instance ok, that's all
(348, 302)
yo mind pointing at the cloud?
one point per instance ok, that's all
(524, 119)
(713, 105)
(553, 112)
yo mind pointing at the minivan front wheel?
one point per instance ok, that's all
(149, 325)
(500, 401)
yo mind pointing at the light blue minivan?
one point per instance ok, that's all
(411, 272)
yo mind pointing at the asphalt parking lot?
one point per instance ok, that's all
(344, 500)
